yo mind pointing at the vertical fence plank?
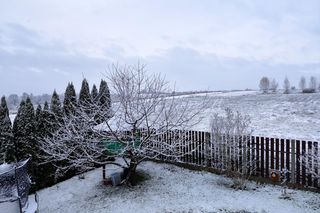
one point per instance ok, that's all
(282, 166)
(240, 153)
(257, 155)
(267, 157)
(303, 177)
(248, 153)
(293, 160)
(316, 164)
(262, 156)
(204, 149)
(272, 153)
(298, 170)
(288, 155)
(310, 159)
(277, 154)
(253, 155)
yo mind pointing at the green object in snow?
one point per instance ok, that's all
(115, 147)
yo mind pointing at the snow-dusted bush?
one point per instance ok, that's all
(311, 160)
(230, 134)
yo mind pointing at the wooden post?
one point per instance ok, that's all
(104, 172)
(257, 155)
(303, 163)
(272, 153)
(282, 154)
(316, 164)
(293, 161)
(267, 157)
(298, 162)
(310, 159)
(262, 156)
(277, 154)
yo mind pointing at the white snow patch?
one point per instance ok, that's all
(171, 189)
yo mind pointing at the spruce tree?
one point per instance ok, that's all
(56, 110)
(70, 100)
(47, 122)
(45, 128)
(4, 111)
(24, 132)
(104, 100)
(6, 136)
(94, 93)
(84, 95)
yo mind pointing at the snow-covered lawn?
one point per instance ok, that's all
(171, 189)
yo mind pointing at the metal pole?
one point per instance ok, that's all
(18, 190)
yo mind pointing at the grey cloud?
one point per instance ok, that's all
(194, 71)
(49, 65)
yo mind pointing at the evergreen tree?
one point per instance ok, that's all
(45, 127)
(94, 93)
(6, 141)
(56, 109)
(4, 111)
(104, 100)
(84, 96)
(85, 101)
(24, 132)
(70, 100)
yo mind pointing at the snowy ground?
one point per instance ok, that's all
(295, 116)
(171, 189)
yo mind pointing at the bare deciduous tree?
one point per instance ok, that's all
(143, 112)
(274, 85)
(286, 86)
(230, 134)
(313, 83)
(264, 84)
(302, 83)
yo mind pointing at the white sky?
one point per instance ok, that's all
(214, 44)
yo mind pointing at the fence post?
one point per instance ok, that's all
(208, 149)
(293, 161)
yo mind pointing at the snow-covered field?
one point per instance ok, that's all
(171, 189)
(295, 116)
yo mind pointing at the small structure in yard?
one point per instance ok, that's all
(14, 188)
(115, 178)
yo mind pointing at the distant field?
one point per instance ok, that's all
(279, 115)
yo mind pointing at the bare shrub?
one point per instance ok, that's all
(230, 136)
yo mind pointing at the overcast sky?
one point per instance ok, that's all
(213, 44)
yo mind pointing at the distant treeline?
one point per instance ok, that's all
(266, 85)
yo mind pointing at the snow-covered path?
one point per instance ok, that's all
(171, 189)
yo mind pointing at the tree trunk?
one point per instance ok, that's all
(131, 173)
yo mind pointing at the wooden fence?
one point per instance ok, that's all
(261, 155)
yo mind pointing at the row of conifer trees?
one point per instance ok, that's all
(22, 138)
